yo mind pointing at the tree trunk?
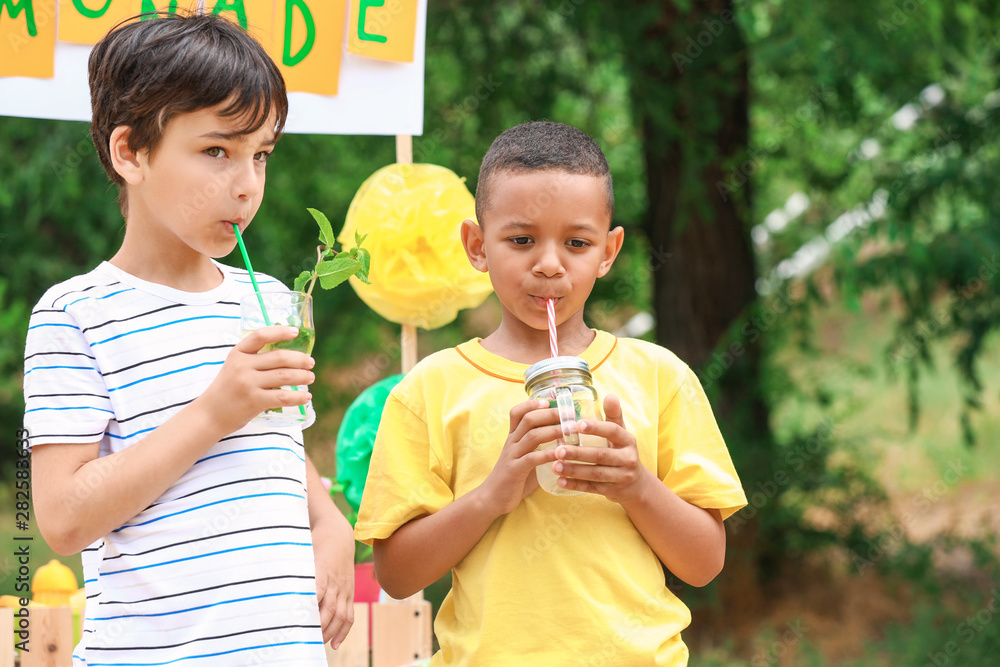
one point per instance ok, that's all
(690, 97)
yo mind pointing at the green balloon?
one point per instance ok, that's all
(356, 438)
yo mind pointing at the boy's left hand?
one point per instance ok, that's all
(616, 473)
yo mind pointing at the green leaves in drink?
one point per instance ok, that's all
(333, 267)
(301, 343)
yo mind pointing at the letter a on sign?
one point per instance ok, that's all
(382, 29)
(27, 38)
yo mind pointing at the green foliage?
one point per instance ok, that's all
(913, 141)
(333, 267)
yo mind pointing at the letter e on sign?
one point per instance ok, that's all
(383, 29)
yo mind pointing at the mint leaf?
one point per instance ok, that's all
(337, 270)
(326, 236)
(301, 281)
(365, 258)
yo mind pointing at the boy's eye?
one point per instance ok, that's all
(262, 156)
(578, 243)
(521, 240)
(215, 151)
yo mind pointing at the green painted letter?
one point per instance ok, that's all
(91, 13)
(362, 10)
(234, 6)
(286, 57)
(15, 7)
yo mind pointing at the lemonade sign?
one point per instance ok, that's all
(365, 79)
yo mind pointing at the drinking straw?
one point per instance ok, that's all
(253, 278)
(550, 305)
(253, 281)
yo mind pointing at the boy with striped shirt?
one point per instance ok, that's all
(206, 539)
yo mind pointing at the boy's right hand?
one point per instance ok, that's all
(532, 423)
(250, 383)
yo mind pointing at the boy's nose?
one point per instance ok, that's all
(248, 180)
(548, 262)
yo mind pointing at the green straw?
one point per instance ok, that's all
(253, 281)
(253, 278)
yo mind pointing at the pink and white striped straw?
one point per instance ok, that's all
(550, 305)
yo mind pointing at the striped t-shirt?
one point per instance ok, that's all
(219, 570)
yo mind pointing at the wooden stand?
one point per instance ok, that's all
(7, 632)
(51, 642)
(408, 336)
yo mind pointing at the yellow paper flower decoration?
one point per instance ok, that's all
(412, 214)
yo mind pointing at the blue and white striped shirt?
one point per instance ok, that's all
(219, 570)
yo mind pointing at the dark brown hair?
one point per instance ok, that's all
(145, 72)
(541, 146)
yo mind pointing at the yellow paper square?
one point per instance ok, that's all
(308, 42)
(86, 21)
(383, 29)
(28, 38)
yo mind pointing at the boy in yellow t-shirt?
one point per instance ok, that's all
(540, 579)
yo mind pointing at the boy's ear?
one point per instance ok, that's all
(473, 242)
(616, 237)
(125, 161)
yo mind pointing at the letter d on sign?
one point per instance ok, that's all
(287, 58)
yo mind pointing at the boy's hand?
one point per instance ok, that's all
(250, 383)
(532, 423)
(334, 585)
(617, 473)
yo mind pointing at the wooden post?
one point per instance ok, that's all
(401, 633)
(408, 336)
(51, 643)
(354, 652)
(7, 633)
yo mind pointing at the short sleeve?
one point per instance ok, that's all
(405, 480)
(693, 459)
(65, 396)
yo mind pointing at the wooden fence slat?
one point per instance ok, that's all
(7, 631)
(354, 652)
(51, 640)
(401, 633)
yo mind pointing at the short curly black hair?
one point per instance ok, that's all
(541, 146)
(152, 67)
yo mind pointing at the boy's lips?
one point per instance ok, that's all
(542, 301)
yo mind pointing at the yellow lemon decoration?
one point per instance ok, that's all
(412, 214)
(53, 584)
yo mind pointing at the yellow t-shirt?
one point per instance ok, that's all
(560, 580)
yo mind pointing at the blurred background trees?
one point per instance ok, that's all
(810, 196)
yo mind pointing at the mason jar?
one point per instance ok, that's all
(566, 383)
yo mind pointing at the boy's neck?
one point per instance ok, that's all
(184, 271)
(515, 341)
